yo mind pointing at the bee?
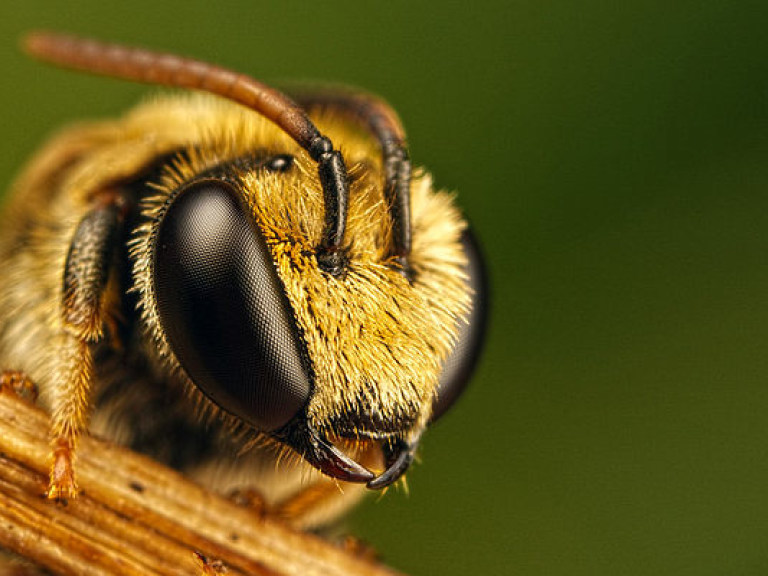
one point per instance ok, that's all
(251, 287)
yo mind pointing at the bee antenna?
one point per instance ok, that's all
(384, 124)
(170, 70)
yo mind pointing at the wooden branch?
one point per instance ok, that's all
(136, 517)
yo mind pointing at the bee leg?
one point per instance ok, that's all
(18, 383)
(251, 499)
(84, 314)
(313, 505)
(303, 508)
(209, 567)
(69, 415)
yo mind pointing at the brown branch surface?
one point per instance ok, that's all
(136, 517)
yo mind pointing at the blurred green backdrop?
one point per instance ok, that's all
(613, 157)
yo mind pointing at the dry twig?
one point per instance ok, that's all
(138, 517)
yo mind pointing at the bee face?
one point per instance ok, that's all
(235, 297)
(291, 285)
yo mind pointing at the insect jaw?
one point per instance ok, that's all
(322, 454)
(318, 451)
(398, 455)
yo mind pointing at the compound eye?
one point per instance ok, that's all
(460, 364)
(224, 310)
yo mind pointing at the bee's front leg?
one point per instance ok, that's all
(18, 383)
(209, 567)
(86, 276)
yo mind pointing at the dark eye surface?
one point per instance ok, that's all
(224, 310)
(458, 367)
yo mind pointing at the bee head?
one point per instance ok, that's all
(316, 361)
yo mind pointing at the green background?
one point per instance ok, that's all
(613, 157)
